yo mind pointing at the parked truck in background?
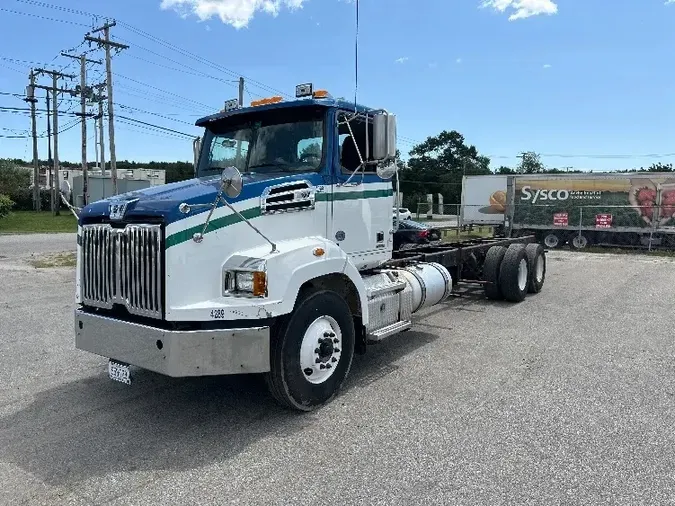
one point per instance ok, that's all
(627, 209)
(277, 258)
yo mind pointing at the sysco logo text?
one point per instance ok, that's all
(539, 195)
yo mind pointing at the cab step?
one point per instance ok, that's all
(380, 334)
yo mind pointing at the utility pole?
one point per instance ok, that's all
(99, 97)
(55, 91)
(30, 97)
(84, 93)
(96, 141)
(106, 43)
(241, 92)
(49, 156)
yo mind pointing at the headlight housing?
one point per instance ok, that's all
(248, 280)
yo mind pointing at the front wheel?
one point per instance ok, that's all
(311, 352)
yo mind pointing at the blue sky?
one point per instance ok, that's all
(563, 77)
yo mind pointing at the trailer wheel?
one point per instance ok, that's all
(311, 352)
(536, 259)
(491, 267)
(552, 240)
(513, 275)
(579, 241)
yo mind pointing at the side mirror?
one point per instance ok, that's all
(65, 190)
(386, 170)
(231, 182)
(384, 136)
(196, 149)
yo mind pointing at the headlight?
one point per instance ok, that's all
(245, 283)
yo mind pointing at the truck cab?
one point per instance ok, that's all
(270, 260)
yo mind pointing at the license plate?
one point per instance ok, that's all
(119, 372)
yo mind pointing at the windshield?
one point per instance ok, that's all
(283, 140)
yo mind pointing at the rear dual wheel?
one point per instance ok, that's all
(510, 273)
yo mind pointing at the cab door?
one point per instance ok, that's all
(362, 203)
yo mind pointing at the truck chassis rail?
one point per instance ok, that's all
(464, 259)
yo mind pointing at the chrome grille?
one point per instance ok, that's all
(122, 266)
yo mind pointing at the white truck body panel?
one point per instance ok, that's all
(477, 207)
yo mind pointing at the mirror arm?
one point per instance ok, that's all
(199, 236)
(274, 246)
(73, 209)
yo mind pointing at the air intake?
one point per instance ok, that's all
(287, 197)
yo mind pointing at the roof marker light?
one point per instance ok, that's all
(321, 94)
(266, 101)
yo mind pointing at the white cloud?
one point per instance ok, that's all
(237, 13)
(547, 65)
(523, 8)
(402, 59)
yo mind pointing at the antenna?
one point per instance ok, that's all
(356, 57)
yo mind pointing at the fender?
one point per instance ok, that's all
(293, 264)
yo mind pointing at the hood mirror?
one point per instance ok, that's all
(231, 182)
(386, 171)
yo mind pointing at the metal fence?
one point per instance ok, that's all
(641, 226)
(582, 225)
(436, 211)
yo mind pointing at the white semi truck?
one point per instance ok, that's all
(276, 258)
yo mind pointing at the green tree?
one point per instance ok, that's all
(312, 150)
(438, 164)
(502, 169)
(530, 163)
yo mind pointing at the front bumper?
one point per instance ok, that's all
(175, 353)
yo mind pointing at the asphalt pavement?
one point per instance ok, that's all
(566, 398)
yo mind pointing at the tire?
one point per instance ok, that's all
(513, 275)
(552, 240)
(579, 241)
(301, 377)
(536, 259)
(491, 268)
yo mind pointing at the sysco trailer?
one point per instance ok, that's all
(276, 258)
(624, 209)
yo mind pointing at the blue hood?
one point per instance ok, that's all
(163, 201)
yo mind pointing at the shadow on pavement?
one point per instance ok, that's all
(94, 427)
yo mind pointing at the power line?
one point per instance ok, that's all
(43, 17)
(164, 101)
(153, 114)
(65, 128)
(199, 59)
(149, 131)
(58, 7)
(163, 43)
(164, 91)
(159, 127)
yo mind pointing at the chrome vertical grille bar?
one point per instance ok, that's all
(158, 272)
(123, 266)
